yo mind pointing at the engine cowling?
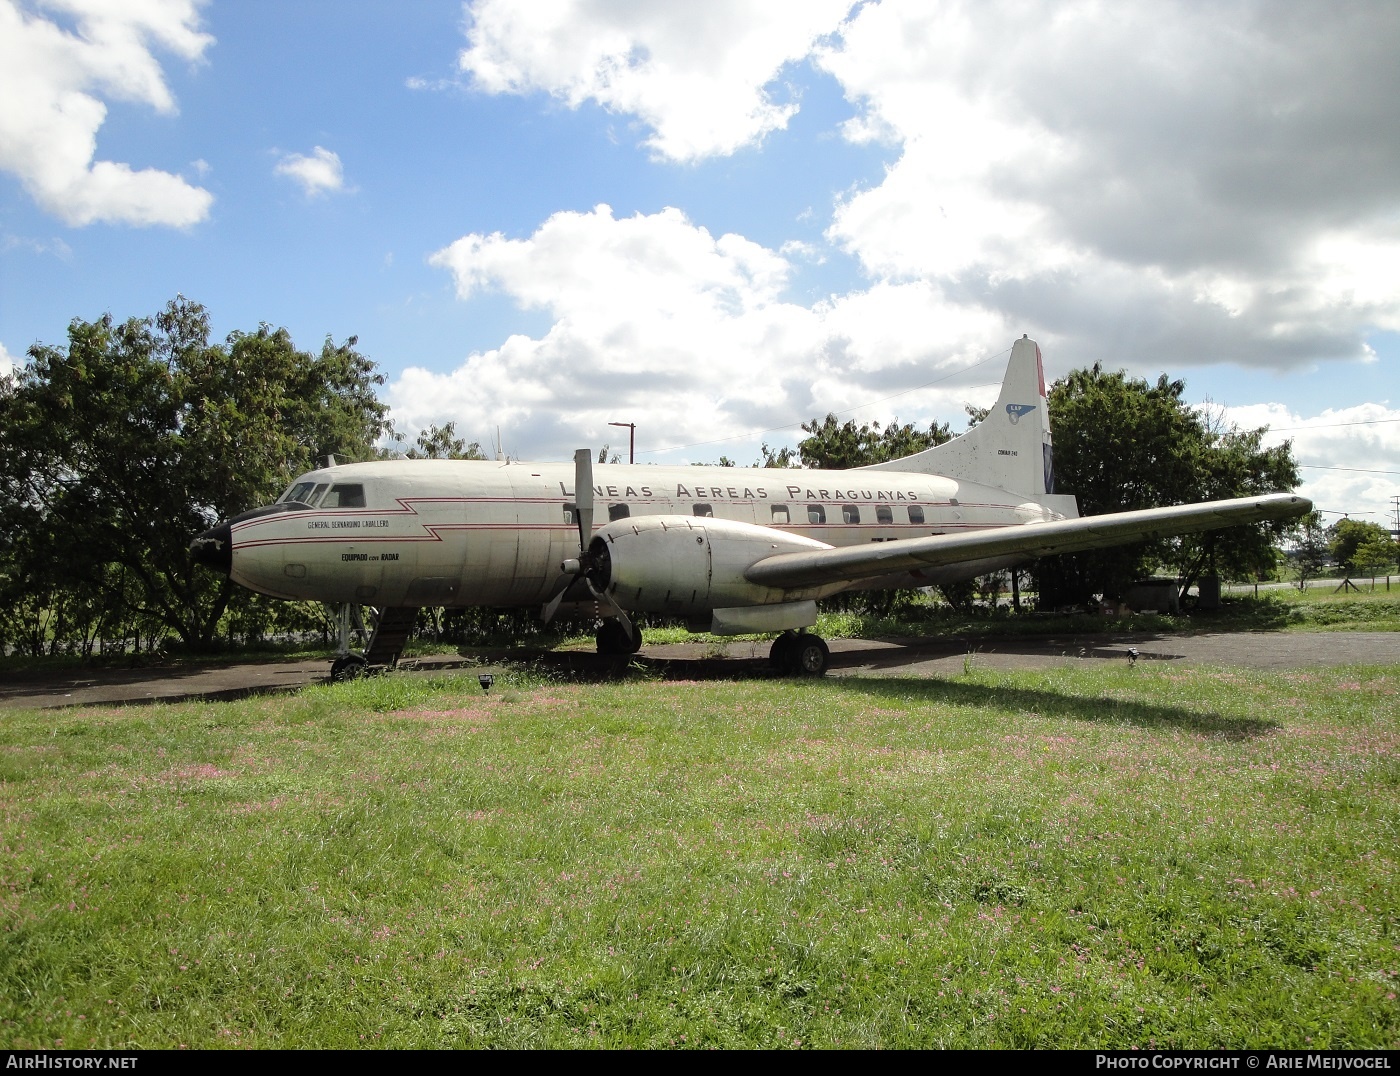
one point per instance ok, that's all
(689, 565)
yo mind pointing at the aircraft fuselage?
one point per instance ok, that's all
(459, 533)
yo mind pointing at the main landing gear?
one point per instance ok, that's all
(612, 638)
(799, 653)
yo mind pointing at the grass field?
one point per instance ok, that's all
(1098, 857)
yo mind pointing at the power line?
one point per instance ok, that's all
(1358, 470)
(1330, 425)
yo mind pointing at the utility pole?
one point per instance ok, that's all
(1394, 531)
(631, 439)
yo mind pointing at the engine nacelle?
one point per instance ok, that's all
(690, 565)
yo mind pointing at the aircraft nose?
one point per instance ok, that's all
(214, 548)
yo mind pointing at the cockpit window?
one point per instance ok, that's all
(315, 498)
(345, 496)
(299, 492)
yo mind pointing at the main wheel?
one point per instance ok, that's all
(613, 638)
(808, 655)
(780, 656)
(347, 667)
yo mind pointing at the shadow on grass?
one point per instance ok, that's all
(596, 668)
(1052, 703)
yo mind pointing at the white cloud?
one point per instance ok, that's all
(1150, 185)
(7, 362)
(1346, 452)
(658, 322)
(1226, 193)
(698, 75)
(55, 246)
(51, 84)
(320, 172)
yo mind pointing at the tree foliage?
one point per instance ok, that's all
(833, 445)
(118, 448)
(787, 456)
(442, 443)
(1346, 537)
(1123, 444)
(1377, 554)
(1310, 547)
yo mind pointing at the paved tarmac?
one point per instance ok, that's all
(915, 657)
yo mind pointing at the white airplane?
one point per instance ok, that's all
(732, 551)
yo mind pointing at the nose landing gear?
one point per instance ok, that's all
(612, 638)
(348, 667)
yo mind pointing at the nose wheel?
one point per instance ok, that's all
(613, 638)
(347, 667)
(799, 653)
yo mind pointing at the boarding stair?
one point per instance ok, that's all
(391, 632)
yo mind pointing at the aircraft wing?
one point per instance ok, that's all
(1029, 539)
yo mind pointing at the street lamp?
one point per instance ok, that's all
(631, 439)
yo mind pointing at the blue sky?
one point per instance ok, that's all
(811, 206)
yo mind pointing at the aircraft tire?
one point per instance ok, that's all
(780, 656)
(348, 667)
(808, 655)
(613, 639)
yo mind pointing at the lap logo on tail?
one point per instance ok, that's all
(1017, 411)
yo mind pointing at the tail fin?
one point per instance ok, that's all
(1009, 449)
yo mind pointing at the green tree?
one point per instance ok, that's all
(1376, 555)
(118, 448)
(837, 446)
(1347, 536)
(442, 443)
(1123, 444)
(1310, 548)
(782, 457)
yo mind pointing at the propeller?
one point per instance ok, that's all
(586, 564)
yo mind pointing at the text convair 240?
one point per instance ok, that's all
(733, 550)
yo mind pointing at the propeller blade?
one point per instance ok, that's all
(583, 496)
(552, 606)
(604, 599)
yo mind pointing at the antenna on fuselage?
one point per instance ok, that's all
(330, 459)
(500, 448)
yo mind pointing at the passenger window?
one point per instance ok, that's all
(345, 496)
(618, 511)
(780, 514)
(704, 510)
(883, 514)
(570, 513)
(850, 513)
(816, 513)
(916, 514)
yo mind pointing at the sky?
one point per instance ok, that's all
(719, 220)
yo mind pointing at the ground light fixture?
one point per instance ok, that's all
(485, 680)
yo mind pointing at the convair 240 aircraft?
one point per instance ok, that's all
(733, 550)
